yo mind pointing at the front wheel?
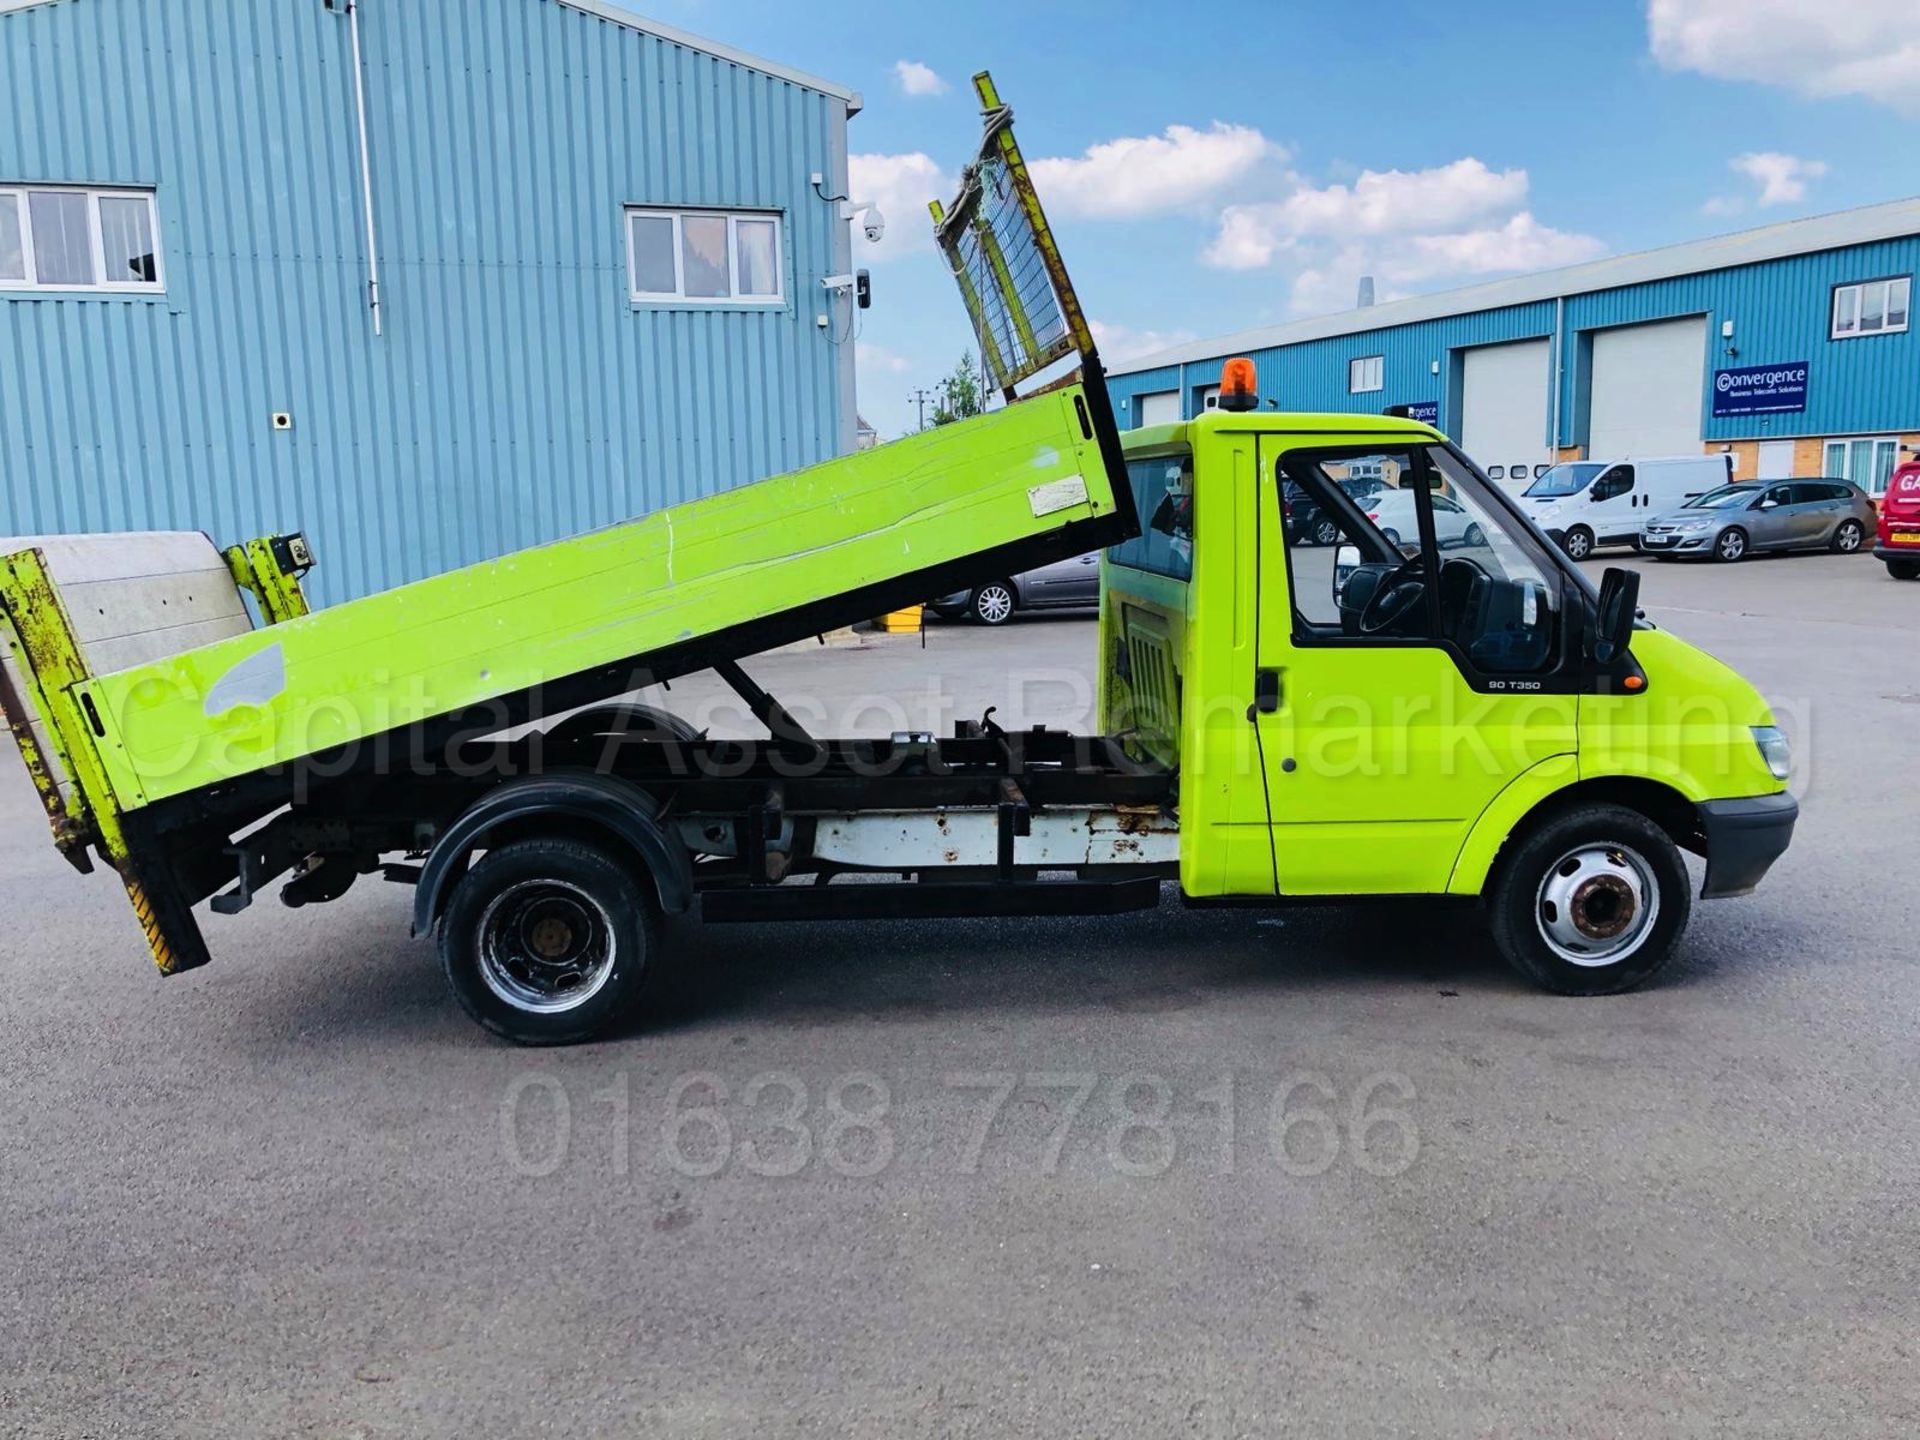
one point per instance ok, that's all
(1592, 901)
(1325, 532)
(993, 604)
(1579, 543)
(546, 942)
(1731, 546)
(1847, 538)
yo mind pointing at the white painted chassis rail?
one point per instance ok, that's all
(951, 839)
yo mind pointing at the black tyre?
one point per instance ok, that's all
(1474, 537)
(993, 604)
(1591, 902)
(1731, 546)
(1325, 532)
(1579, 543)
(546, 942)
(1904, 569)
(1847, 537)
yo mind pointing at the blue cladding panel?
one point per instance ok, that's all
(516, 395)
(1780, 310)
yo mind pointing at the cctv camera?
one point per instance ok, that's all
(875, 225)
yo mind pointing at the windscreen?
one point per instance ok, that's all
(1563, 480)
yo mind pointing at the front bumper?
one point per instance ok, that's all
(1744, 838)
(1676, 542)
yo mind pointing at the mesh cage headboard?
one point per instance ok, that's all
(997, 242)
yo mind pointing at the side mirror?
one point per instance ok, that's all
(1768, 504)
(1346, 560)
(1619, 606)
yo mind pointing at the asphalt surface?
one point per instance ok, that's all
(980, 1177)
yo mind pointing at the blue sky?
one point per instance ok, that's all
(1210, 167)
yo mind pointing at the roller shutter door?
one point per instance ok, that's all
(1157, 407)
(1648, 381)
(1503, 407)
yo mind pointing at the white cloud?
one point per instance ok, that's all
(1782, 178)
(1460, 221)
(901, 185)
(1151, 174)
(1522, 243)
(1869, 48)
(1124, 342)
(917, 79)
(878, 358)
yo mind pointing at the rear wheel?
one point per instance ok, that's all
(1579, 543)
(1904, 569)
(1732, 544)
(546, 942)
(1591, 902)
(1847, 538)
(993, 604)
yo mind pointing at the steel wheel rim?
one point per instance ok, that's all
(1850, 535)
(1597, 904)
(546, 947)
(1732, 547)
(993, 604)
(1577, 545)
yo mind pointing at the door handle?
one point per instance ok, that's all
(1266, 693)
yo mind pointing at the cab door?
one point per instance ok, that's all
(1391, 707)
(1614, 505)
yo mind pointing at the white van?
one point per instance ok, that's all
(1585, 504)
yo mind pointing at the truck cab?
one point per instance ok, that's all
(1446, 707)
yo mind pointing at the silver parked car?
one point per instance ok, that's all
(1737, 520)
(1064, 585)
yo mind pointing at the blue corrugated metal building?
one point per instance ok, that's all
(1791, 348)
(597, 242)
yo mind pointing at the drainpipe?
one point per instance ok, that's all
(1559, 373)
(366, 168)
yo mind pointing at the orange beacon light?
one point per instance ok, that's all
(1239, 389)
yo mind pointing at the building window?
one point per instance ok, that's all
(1872, 307)
(1867, 462)
(68, 238)
(705, 257)
(1366, 374)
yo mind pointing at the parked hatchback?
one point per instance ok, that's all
(1064, 585)
(1899, 539)
(1738, 520)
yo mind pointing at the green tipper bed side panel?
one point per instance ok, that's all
(609, 598)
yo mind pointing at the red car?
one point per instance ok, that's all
(1899, 540)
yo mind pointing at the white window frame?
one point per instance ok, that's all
(20, 192)
(1360, 368)
(678, 296)
(1845, 443)
(1856, 291)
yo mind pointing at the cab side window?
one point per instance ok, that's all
(1616, 482)
(1428, 555)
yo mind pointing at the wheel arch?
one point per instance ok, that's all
(595, 808)
(1529, 800)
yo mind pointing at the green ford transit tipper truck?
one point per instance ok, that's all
(1436, 704)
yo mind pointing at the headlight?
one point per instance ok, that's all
(1693, 525)
(1775, 750)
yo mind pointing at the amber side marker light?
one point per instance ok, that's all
(1634, 682)
(1239, 388)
